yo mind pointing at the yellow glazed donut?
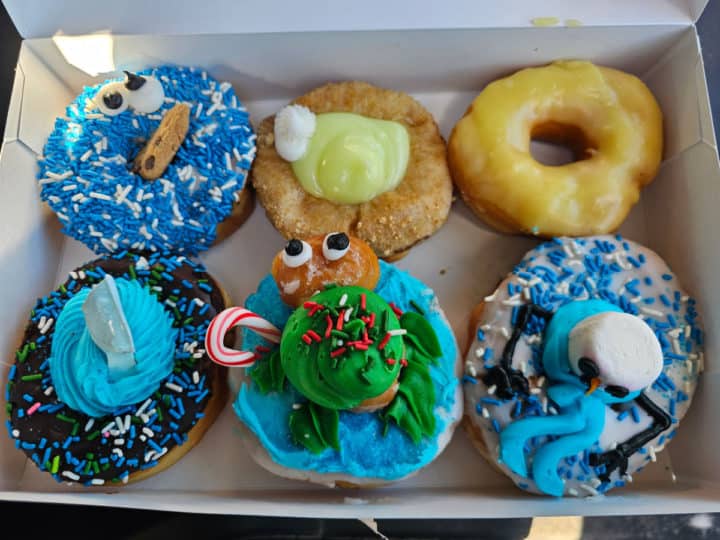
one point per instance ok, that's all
(609, 118)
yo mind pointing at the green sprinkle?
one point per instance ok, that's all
(33, 377)
(115, 480)
(33, 346)
(63, 289)
(90, 456)
(22, 353)
(384, 322)
(96, 467)
(174, 298)
(47, 465)
(105, 466)
(55, 465)
(75, 429)
(9, 408)
(156, 275)
(417, 307)
(159, 412)
(340, 334)
(177, 314)
(87, 467)
(202, 280)
(330, 286)
(187, 321)
(135, 420)
(94, 435)
(64, 418)
(131, 271)
(365, 377)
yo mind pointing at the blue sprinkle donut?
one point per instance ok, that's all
(598, 433)
(86, 170)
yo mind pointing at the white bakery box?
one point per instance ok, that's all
(442, 53)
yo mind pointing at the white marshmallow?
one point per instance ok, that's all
(294, 127)
(623, 347)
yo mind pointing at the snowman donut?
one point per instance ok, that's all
(156, 160)
(581, 365)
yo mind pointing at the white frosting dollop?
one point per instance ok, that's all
(623, 347)
(148, 98)
(294, 127)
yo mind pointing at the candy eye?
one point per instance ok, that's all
(296, 253)
(146, 94)
(111, 99)
(335, 246)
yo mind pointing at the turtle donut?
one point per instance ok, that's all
(352, 367)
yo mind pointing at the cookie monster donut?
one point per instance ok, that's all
(582, 364)
(110, 383)
(361, 385)
(156, 161)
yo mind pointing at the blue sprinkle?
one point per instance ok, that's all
(28, 398)
(467, 379)
(488, 354)
(664, 300)
(490, 401)
(667, 277)
(13, 369)
(155, 446)
(648, 280)
(635, 414)
(496, 425)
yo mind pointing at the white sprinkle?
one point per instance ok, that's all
(513, 301)
(526, 294)
(636, 300)
(195, 377)
(145, 418)
(107, 428)
(125, 479)
(120, 424)
(595, 482)
(479, 352)
(347, 314)
(397, 332)
(63, 176)
(69, 187)
(47, 326)
(149, 455)
(485, 412)
(296, 406)
(470, 369)
(687, 331)
(15, 433)
(97, 481)
(650, 311)
(485, 327)
(568, 252)
(117, 451)
(588, 489)
(504, 332)
(198, 110)
(86, 155)
(343, 299)
(491, 389)
(89, 424)
(127, 422)
(228, 165)
(101, 196)
(651, 451)
(174, 387)
(490, 298)
(676, 346)
(71, 475)
(42, 321)
(535, 391)
(572, 491)
(49, 390)
(149, 432)
(552, 410)
(545, 404)
(683, 298)
(628, 478)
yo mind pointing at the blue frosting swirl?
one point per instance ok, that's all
(78, 367)
(366, 451)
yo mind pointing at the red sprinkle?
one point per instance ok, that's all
(341, 320)
(314, 310)
(359, 345)
(366, 339)
(384, 342)
(363, 301)
(329, 326)
(313, 334)
(403, 362)
(262, 349)
(309, 305)
(372, 320)
(337, 352)
(390, 361)
(306, 339)
(395, 309)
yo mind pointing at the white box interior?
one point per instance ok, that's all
(444, 69)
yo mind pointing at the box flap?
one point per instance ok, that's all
(43, 18)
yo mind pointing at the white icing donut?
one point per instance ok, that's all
(630, 279)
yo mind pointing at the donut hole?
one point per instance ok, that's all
(555, 144)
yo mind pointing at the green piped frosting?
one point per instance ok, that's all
(337, 372)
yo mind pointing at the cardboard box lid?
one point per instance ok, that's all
(44, 18)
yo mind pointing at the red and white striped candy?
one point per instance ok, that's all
(223, 322)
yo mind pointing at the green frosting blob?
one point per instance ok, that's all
(337, 372)
(352, 159)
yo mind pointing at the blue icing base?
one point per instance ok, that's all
(365, 452)
(86, 168)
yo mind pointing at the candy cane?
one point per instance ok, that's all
(223, 322)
